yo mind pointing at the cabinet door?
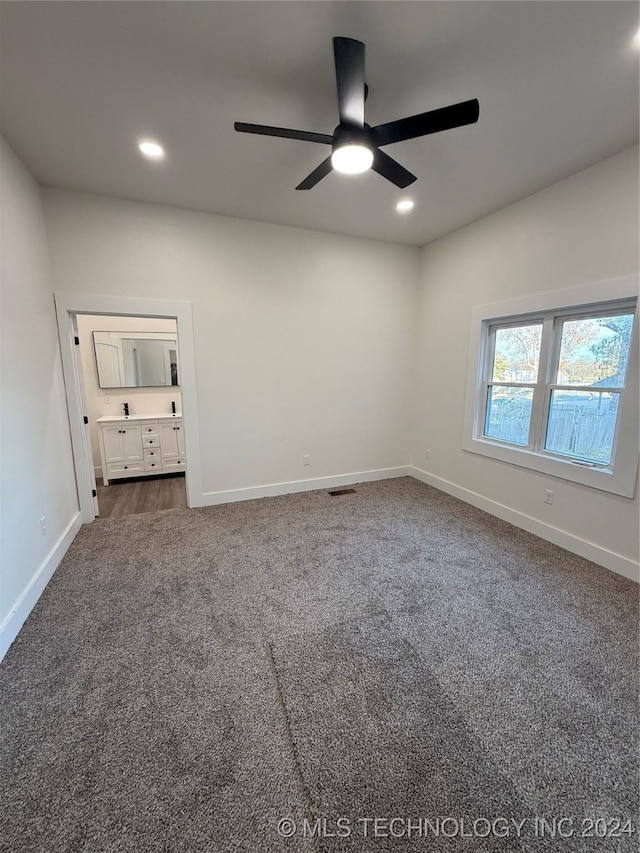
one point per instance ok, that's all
(168, 441)
(113, 444)
(132, 443)
(180, 435)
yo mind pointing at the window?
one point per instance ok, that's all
(556, 391)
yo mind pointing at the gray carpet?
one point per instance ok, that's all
(191, 677)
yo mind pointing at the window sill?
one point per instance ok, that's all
(605, 479)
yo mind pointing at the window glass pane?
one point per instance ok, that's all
(508, 413)
(582, 424)
(517, 354)
(594, 351)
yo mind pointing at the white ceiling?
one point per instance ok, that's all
(81, 82)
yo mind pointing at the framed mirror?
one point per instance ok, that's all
(136, 359)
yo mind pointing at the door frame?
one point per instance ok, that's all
(81, 388)
(68, 304)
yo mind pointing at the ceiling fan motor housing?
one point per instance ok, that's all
(345, 134)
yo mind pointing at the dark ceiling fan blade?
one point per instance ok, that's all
(349, 60)
(316, 176)
(266, 130)
(392, 171)
(433, 121)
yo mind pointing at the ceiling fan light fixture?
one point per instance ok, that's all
(352, 159)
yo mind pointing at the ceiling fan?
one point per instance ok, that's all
(355, 144)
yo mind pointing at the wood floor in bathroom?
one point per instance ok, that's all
(142, 495)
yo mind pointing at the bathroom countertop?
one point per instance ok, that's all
(148, 417)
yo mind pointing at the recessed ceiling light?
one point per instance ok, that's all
(352, 159)
(404, 206)
(151, 149)
(636, 39)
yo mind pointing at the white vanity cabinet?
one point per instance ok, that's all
(122, 450)
(172, 445)
(140, 445)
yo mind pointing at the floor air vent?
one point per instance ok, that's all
(336, 492)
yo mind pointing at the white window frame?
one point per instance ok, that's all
(620, 476)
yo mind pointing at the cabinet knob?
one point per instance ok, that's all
(149, 430)
(177, 427)
(126, 466)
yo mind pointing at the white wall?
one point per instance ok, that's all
(579, 230)
(142, 401)
(35, 450)
(303, 340)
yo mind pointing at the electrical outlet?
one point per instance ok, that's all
(306, 460)
(43, 525)
(548, 496)
(427, 454)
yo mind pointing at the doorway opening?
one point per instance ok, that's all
(131, 385)
(129, 370)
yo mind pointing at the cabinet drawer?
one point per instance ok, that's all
(150, 440)
(173, 464)
(153, 464)
(150, 428)
(125, 469)
(152, 455)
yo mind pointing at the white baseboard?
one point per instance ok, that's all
(97, 472)
(609, 559)
(16, 617)
(273, 489)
